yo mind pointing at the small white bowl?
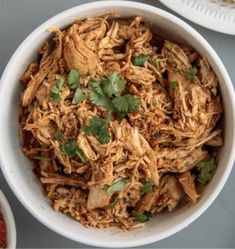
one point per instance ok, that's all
(8, 217)
(18, 170)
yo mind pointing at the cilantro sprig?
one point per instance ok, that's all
(192, 74)
(79, 96)
(98, 127)
(113, 85)
(108, 94)
(141, 217)
(58, 135)
(117, 186)
(74, 84)
(147, 187)
(206, 171)
(98, 97)
(70, 148)
(56, 89)
(139, 60)
(125, 104)
(74, 78)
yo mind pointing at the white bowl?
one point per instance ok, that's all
(18, 170)
(8, 217)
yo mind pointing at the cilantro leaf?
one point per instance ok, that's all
(79, 96)
(107, 93)
(98, 97)
(102, 92)
(117, 186)
(101, 100)
(54, 94)
(58, 135)
(141, 217)
(74, 78)
(104, 138)
(172, 85)
(70, 148)
(113, 85)
(93, 85)
(148, 186)
(80, 154)
(139, 60)
(192, 73)
(55, 90)
(121, 104)
(206, 171)
(60, 83)
(99, 127)
(126, 104)
(133, 103)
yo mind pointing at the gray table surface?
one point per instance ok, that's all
(215, 228)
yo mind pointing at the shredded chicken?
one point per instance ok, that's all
(187, 182)
(116, 121)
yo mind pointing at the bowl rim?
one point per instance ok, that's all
(186, 27)
(8, 217)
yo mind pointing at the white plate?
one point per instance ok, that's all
(212, 14)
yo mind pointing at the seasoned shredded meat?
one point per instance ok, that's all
(119, 123)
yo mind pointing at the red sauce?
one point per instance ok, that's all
(3, 239)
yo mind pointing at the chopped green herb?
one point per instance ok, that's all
(172, 85)
(96, 87)
(141, 217)
(148, 186)
(41, 158)
(101, 100)
(139, 60)
(60, 83)
(117, 186)
(54, 94)
(70, 148)
(58, 135)
(192, 73)
(55, 90)
(114, 203)
(206, 171)
(79, 96)
(113, 85)
(98, 97)
(107, 93)
(80, 154)
(104, 138)
(74, 78)
(126, 104)
(99, 127)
